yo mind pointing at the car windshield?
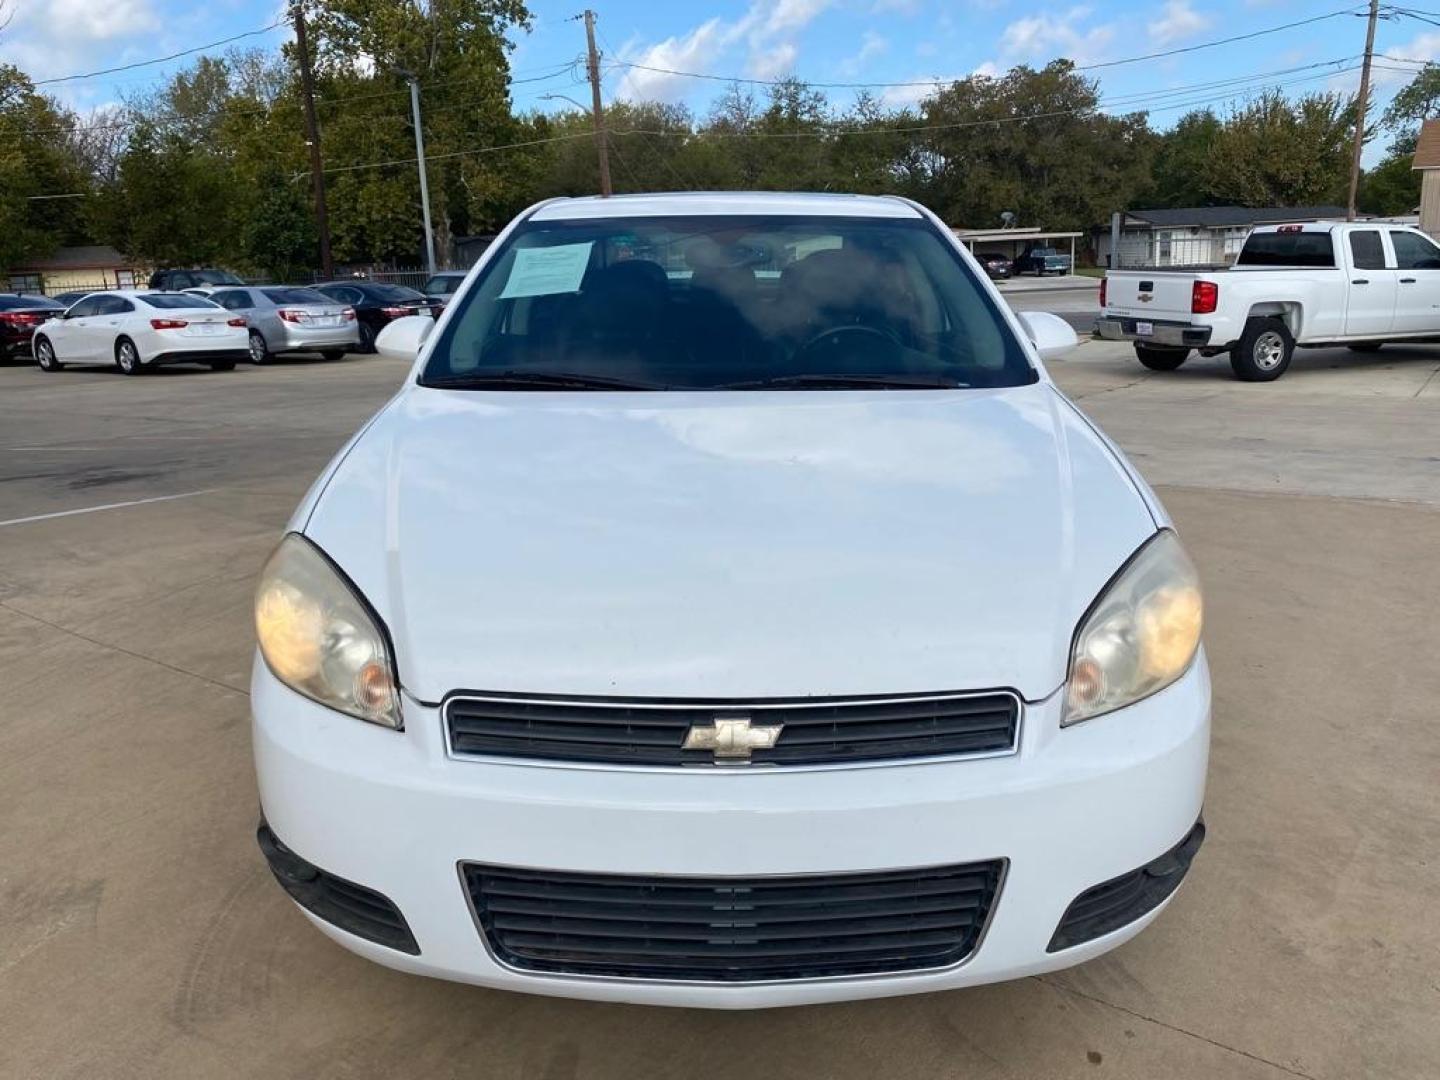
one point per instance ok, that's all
(216, 277)
(443, 284)
(728, 303)
(296, 296)
(175, 300)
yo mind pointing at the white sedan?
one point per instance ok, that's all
(729, 611)
(137, 331)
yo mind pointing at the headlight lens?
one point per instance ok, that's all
(319, 638)
(1140, 635)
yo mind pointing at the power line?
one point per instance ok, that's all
(830, 132)
(946, 81)
(159, 59)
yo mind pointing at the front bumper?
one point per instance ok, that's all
(1175, 334)
(1074, 808)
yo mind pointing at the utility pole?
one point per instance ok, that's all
(312, 139)
(1360, 109)
(424, 183)
(593, 67)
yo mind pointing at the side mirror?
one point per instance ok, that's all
(1051, 335)
(402, 338)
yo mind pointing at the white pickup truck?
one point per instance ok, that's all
(1357, 284)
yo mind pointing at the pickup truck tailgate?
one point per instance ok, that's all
(1149, 295)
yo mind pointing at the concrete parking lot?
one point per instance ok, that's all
(142, 936)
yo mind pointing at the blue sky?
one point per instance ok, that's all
(821, 40)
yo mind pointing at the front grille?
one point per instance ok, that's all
(816, 731)
(733, 929)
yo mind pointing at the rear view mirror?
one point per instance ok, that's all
(1051, 335)
(402, 338)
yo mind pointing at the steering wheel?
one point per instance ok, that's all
(835, 333)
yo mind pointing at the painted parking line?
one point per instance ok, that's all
(105, 506)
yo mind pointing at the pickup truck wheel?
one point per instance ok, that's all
(1263, 351)
(1159, 358)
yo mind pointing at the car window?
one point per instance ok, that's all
(443, 284)
(29, 303)
(234, 299)
(711, 301)
(296, 296)
(175, 300)
(388, 294)
(1413, 251)
(1366, 250)
(83, 308)
(1310, 249)
(344, 293)
(214, 277)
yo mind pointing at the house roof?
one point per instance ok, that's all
(84, 257)
(1427, 146)
(1219, 217)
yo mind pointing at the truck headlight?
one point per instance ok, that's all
(319, 637)
(1141, 633)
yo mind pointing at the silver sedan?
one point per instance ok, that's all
(285, 318)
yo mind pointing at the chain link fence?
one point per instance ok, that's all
(1159, 249)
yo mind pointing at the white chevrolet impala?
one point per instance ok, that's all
(729, 611)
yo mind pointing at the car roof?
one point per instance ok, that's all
(747, 203)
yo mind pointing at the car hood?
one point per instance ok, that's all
(730, 545)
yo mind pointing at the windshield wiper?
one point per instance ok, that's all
(538, 380)
(844, 381)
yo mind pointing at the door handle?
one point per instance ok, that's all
(1360, 281)
(1407, 281)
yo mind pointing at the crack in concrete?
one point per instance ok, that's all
(1172, 1027)
(124, 651)
(1110, 389)
(1426, 383)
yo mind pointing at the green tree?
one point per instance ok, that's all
(35, 166)
(1180, 161)
(1274, 152)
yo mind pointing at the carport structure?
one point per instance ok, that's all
(1011, 242)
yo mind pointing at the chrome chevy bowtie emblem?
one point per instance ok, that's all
(1145, 297)
(731, 738)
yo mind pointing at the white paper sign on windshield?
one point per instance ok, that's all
(541, 271)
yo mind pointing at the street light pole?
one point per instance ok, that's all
(424, 183)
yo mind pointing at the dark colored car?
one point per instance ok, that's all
(441, 287)
(997, 267)
(20, 314)
(1039, 260)
(377, 303)
(65, 299)
(178, 280)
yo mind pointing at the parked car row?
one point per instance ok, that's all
(216, 319)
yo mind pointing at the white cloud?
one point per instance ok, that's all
(1178, 22)
(766, 33)
(787, 16)
(871, 46)
(988, 70)
(773, 63)
(695, 51)
(1425, 47)
(1041, 37)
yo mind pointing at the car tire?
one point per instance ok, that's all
(1264, 350)
(367, 339)
(333, 354)
(1160, 358)
(1367, 347)
(259, 349)
(127, 357)
(45, 355)
(222, 365)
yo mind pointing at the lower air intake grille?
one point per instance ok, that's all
(733, 929)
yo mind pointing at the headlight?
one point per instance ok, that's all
(319, 638)
(1140, 634)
